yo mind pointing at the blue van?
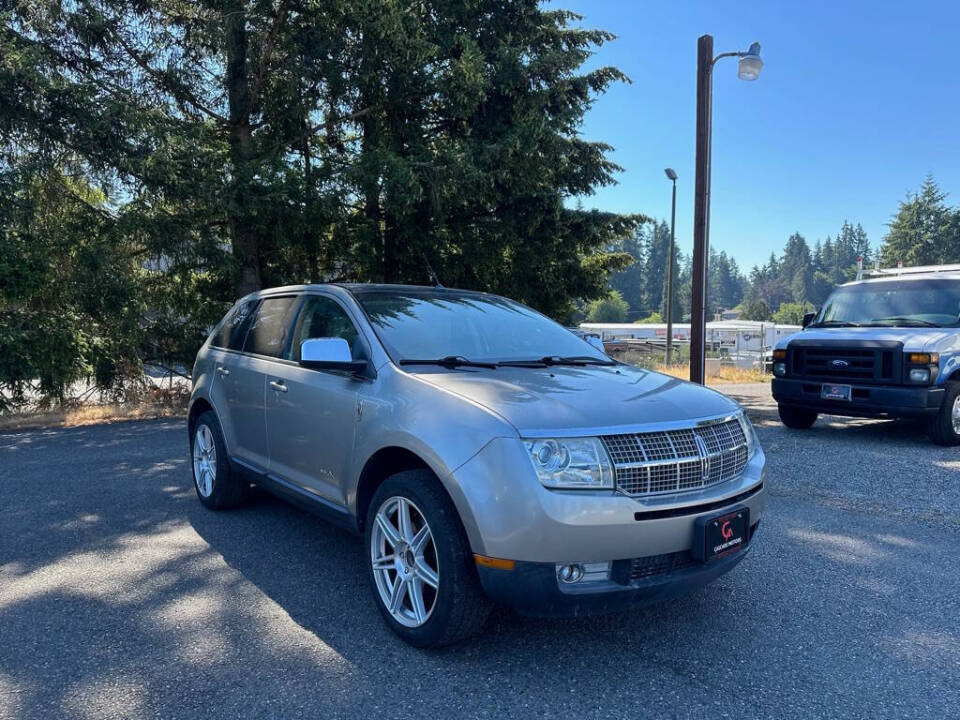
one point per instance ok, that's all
(887, 346)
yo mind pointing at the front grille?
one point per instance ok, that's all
(672, 461)
(868, 363)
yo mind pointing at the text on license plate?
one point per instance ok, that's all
(835, 392)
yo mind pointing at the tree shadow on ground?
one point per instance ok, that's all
(125, 597)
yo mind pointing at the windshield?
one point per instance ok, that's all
(446, 323)
(894, 303)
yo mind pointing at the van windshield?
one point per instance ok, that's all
(428, 323)
(894, 303)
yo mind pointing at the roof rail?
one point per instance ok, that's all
(918, 270)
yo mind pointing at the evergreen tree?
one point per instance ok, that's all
(925, 230)
(796, 268)
(629, 281)
(655, 267)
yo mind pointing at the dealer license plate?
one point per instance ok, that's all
(835, 392)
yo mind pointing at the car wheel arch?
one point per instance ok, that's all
(197, 408)
(394, 459)
(379, 466)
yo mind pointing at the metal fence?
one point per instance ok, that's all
(742, 345)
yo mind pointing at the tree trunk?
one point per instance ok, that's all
(371, 201)
(246, 247)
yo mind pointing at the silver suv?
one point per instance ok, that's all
(483, 451)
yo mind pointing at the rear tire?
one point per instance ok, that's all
(218, 486)
(944, 427)
(797, 418)
(457, 607)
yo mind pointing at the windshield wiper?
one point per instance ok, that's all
(549, 360)
(903, 321)
(450, 361)
(835, 323)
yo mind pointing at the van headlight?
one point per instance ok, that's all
(571, 463)
(753, 443)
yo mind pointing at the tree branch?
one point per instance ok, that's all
(265, 54)
(180, 94)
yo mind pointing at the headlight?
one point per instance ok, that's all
(779, 369)
(571, 463)
(753, 443)
(919, 375)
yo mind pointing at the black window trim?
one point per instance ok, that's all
(297, 304)
(219, 327)
(351, 316)
(302, 296)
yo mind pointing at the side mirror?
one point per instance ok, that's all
(808, 318)
(329, 354)
(596, 342)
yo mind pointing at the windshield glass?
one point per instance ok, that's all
(441, 323)
(894, 303)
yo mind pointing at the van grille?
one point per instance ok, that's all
(672, 461)
(866, 364)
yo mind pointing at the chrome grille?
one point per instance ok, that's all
(670, 461)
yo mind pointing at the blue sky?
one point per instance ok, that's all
(856, 103)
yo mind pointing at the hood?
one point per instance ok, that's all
(912, 338)
(570, 401)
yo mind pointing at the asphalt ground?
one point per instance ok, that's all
(122, 597)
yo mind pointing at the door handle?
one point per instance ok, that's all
(278, 385)
(222, 371)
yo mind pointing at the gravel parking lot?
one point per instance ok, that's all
(120, 596)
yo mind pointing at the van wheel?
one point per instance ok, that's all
(795, 417)
(217, 486)
(420, 565)
(945, 425)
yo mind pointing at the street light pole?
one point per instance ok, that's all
(671, 173)
(749, 69)
(701, 210)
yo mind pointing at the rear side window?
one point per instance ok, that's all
(234, 328)
(268, 333)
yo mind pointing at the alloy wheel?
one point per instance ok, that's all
(404, 559)
(955, 415)
(204, 460)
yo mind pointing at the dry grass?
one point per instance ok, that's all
(727, 374)
(153, 403)
(89, 415)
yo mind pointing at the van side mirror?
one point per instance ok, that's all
(329, 354)
(808, 318)
(596, 342)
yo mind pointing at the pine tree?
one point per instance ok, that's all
(925, 230)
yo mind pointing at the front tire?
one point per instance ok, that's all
(217, 486)
(796, 418)
(419, 563)
(945, 425)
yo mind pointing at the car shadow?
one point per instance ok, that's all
(122, 596)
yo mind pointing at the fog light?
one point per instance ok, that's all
(779, 369)
(919, 375)
(570, 573)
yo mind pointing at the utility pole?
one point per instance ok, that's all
(701, 210)
(750, 65)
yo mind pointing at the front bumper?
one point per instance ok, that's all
(867, 400)
(508, 514)
(533, 588)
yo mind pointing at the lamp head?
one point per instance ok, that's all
(750, 63)
(671, 173)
